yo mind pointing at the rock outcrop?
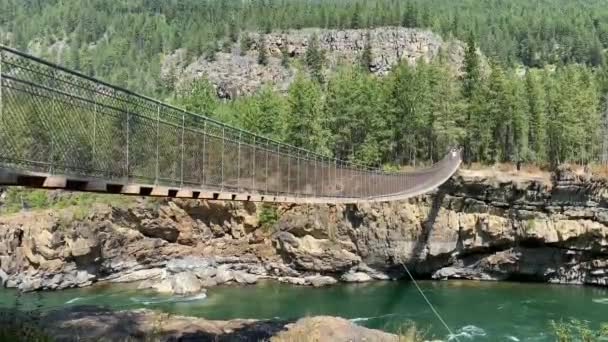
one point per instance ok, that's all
(235, 72)
(93, 324)
(476, 226)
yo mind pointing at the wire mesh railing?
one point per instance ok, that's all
(58, 121)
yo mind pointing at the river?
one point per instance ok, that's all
(476, 311)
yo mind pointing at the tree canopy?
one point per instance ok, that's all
(539, 96)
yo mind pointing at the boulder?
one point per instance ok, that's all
(244, 277)
(327, 329)
(355, 277)
(205, 273)
(30, 284)
(461, 273)
(155, 229)
(209, 282)
(3, 277)
(292, 280)
(319, 255)
(81, 247)
(319, 281)
(162, 286)
(223, 276)
(185, 283)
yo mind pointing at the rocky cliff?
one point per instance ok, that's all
(477, 226)
(235, 71)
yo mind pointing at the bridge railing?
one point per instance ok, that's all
(58, 121)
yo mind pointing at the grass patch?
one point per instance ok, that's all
(599, 170)
(267, 217)
(17, 199)
(530, 225)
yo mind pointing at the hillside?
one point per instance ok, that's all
(123, 41)
(237, 71)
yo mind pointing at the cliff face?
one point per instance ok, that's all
(235, 72)
(474, 227)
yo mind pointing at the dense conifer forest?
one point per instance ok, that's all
(537, 92)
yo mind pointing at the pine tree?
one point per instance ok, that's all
(573, 118)
(355, 21)
(510, 129)
(263, 113)
(410, 18)
(471, 81)
(596, 54)
(199, 97)
(353, 99)
(304, 124)
(73, 59)
(209, 52)
(517, 107)
(268, 26)
(537, 117)
(233, 31)
(284, 56)
(410, 102)
(315, 59)
(472, 70)
(603, 88)
(445, 121)
(262, 52)
(245, 44)
(367, 57)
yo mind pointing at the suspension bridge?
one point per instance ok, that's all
(60, 129)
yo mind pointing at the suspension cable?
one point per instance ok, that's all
(430, 304)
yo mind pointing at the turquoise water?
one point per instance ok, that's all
(477, 311)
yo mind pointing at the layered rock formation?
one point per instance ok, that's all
(476, 226)
(235, 72)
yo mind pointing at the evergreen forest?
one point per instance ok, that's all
(533, 87)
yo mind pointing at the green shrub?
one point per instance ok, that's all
(37, 199)
(268, 217)
(391, 168)
(409, 332)
(575, 330)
